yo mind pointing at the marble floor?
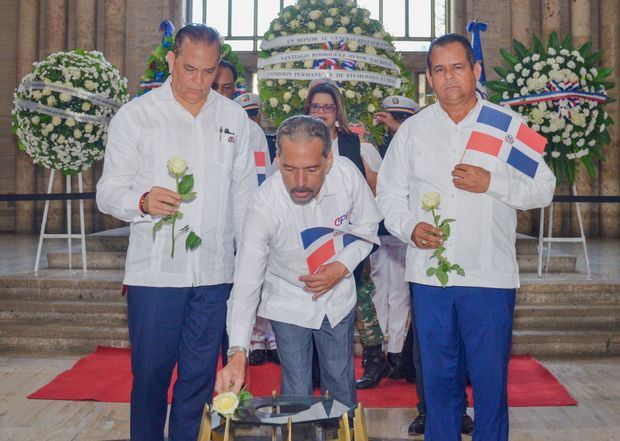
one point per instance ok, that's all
(595, 384)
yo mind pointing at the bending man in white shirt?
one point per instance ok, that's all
(474, 312)
(177, 306)
(313, 188)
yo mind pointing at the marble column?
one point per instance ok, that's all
(85, 38)
(521, 29)
(56, 39)
(27, 53)
(114, 50)
(551, 20)
(610, 169)
(580, 29)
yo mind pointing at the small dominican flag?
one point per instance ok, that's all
(259, 162)
(499, 134)
(323, 243)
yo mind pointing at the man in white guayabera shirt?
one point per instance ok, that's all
(177, 305)
(465, 327)
(313, 188)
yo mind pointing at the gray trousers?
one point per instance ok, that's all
(335, 350)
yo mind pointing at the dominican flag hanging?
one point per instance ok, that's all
(499, 134)
(259, 162)
(323, 243)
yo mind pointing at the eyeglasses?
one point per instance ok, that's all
(326, 108)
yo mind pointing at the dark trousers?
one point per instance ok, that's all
(464, 330)
(169, 326)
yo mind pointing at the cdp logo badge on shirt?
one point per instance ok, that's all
(343, 219)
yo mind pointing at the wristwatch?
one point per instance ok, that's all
(234, 349)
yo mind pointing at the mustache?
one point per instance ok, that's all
(301, 190)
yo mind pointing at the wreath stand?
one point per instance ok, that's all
(69, 235)
(549, 239)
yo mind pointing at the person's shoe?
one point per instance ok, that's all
(272, 356)
(467, 426)
(257, 357)
(418, 425)
(396, 362)
(375, 370)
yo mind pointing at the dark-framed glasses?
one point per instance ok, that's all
(325, 108)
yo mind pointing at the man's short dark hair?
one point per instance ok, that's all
(197, 32)
(228, 65)
(307, 127)
(446, 39)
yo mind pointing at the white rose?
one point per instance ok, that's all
(35, 120)
(537, 116)
(90, 84)
(377, 93)
(88, 128)
(345, 20)
(294, 24)
(277, 27)
(49, 127)
(510, 78)
(555, 154)
(312, 26)
(357, 30)
(518, 67)
(525, 72)
(578, 119)
(366, 20)
(313, 15)
(65, 97)
(370, 50)
(281, 82)
(431, 200)
(551, 51)
(287, 96)
(304, 48)
(378, 35)
(86, 106)
(341, 30)
(177, 165)
(308, 64)
(333, 11)
(535, 57)
(273, 101)
(61, 139)
(329, 21)
(77, 134)
(571, 64)
(371, 108)
(37, 94)
(70, 122)
(556, 139)
(286, 108)
(353, 45)
(51, 100)
(303, 93)
(56, 120)
(564, 52)
(269, 83)
(349, 94)
(226, 403)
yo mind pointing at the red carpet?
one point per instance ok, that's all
(105, 375)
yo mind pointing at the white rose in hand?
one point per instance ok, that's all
(177, 165)
(226, 403)
(431, 200)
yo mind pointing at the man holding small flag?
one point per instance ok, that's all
(307, 229)
(485, 164)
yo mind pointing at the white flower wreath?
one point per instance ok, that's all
(62, 109)
(335, 38)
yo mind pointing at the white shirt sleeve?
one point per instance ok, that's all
(393, 189)
(521, 192)
(250, 267)
(371, 156)
(244, 182)
(364, 221)
(116, 195)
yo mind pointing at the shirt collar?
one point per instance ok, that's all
(164, 93)
(469, 119)
(328, 188)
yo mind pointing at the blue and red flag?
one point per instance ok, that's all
(324, 243)
(259, 162)
(500, 134)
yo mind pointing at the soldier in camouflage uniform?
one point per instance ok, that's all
(370, 334)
